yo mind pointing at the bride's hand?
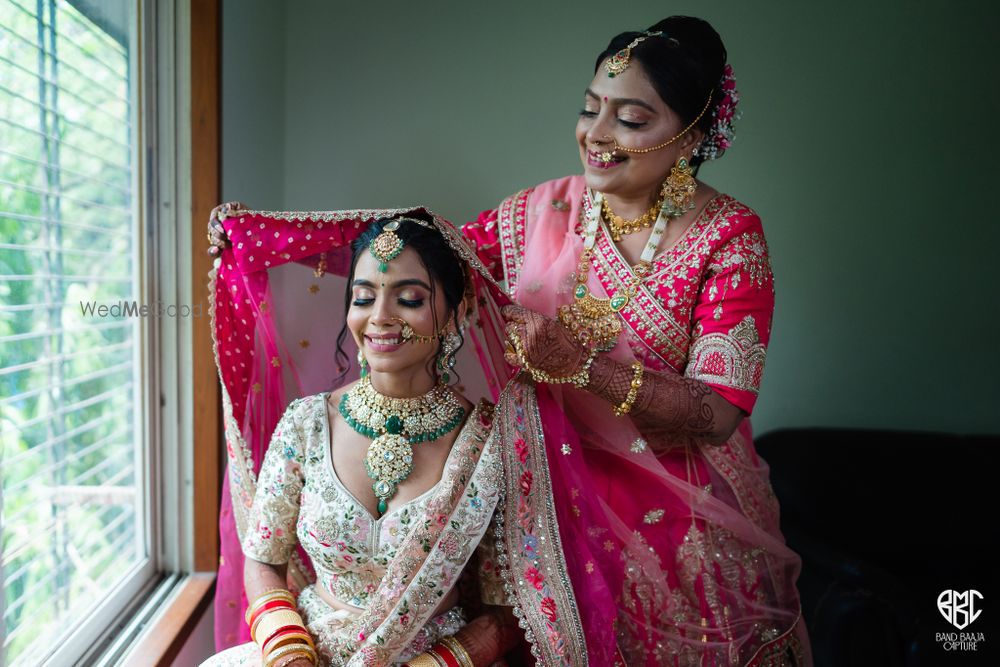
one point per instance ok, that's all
(298, 662)
(216, 233)
(547, 344)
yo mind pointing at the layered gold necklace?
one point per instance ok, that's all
(619, 226)
(396, 424)
(592, 320)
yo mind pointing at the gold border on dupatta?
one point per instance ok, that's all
(535, 512)
(419, 567)
(511, 220)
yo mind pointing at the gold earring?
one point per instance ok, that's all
(678, 190)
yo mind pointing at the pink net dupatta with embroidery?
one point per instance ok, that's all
(278, 307)
(619, 555)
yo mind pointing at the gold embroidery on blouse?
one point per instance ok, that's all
(734, 359)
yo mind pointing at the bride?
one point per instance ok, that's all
(387, 484)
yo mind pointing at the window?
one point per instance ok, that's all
(74, 522)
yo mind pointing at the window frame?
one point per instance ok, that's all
(147, 619)
(93, 629)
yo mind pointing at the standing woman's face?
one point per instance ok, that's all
(628, 109)
(380, 300)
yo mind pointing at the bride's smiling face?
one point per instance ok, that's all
(381, 302)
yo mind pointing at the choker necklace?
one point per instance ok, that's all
(592, 320)
(396, 424)
(619, 226)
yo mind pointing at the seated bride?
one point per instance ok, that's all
(388, 484)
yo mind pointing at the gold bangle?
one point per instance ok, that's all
(270, 622)
(425, 659)
(633, 391)
(265, 597)
(463, 657)
(579, 379)
(300, 650)
(296, 637)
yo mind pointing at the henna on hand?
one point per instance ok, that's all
(548, 345)
(668, 406)
(216, 232)
(488, 637)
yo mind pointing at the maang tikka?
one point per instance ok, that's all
(618, 63)
(387, 246)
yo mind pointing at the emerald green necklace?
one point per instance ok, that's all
(395, 425)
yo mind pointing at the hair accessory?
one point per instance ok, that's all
(720, 135)
(678, 190)
(618, 63)
(386, 246)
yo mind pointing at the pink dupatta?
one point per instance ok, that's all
(277, 307)
(617, 555)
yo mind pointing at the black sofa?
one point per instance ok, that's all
(885, 521)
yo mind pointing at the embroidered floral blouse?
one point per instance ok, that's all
(707, 305)
(301, 500)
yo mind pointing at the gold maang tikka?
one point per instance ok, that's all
(618, 63)
(387, 246)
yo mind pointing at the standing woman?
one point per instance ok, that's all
(638, 525)
(641, 528)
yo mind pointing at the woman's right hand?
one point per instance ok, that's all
(216, 233)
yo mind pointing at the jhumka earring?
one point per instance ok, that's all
(362, 364)
(446, 357)
(678, 190)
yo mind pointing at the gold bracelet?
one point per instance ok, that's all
(300, 650)
(463, 657)
(579, 379)
(633, 391)
(265, 597)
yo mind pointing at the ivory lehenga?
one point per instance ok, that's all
(277, 309)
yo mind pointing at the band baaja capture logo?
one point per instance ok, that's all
(960, 609)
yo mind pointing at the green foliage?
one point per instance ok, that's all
(70, 433)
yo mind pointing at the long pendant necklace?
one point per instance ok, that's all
(594, 321)
(396, 424)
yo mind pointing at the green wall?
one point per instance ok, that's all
(864, 146)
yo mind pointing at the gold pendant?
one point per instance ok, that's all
(389, 461)
(593, 321)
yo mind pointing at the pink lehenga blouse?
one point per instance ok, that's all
(622, 549)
